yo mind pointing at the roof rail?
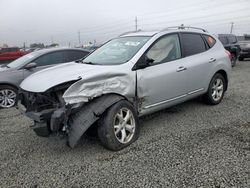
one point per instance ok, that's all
(128, 32)
(184, 27)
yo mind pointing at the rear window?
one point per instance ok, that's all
(192, 44)
(232, 39)
(210, 40)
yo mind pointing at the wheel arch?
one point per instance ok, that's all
(9, 84)
(89, 114)
(224, 74)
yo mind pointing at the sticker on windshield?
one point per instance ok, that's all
(132, 43)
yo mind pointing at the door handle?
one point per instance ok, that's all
(182, 68)
(211, 60)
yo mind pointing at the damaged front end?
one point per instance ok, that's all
(51, 115)
(48, 110)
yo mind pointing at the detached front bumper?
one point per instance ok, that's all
(48, 118)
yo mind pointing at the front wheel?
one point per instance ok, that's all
(119, 126)
(8, 96)
(216, 90)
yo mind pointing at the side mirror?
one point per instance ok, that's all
(30, 66)
(148, 60)
(144, 62)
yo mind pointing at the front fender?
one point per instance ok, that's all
(89, 114)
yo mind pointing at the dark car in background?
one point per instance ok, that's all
(12, 74)
(230, 43)
(10, 54)
(245, 50)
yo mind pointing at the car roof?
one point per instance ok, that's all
(166, 30)
(43, 51)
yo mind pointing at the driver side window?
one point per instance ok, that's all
(165, 49)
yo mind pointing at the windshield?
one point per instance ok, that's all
(23, 60)
(117, 51)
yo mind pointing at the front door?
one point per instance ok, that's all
(163, 82)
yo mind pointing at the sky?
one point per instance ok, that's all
(63, 21)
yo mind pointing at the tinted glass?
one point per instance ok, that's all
(117, 51)
(165, 49)
(50, 59)
(232, 39)
(210, 40)
(192, 44)
(223, 39)
(73, 55)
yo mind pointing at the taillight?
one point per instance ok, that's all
(228, 54)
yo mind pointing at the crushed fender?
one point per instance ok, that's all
(88, 115)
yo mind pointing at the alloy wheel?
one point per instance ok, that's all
(7, 98)
(124, 125)
(217, 89)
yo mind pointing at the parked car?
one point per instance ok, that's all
(245, 51)
(230, 43)
(128, 77)
(12, 74)
(10, 54)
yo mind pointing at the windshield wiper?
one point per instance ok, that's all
(4, 65)
(89, 62)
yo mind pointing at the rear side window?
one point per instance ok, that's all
(192, 44)
(50, 59)
(210, 40)
(73, 55)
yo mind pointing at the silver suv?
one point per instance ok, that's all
(130, 76)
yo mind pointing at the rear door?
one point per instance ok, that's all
(72, 55)
(199, 61)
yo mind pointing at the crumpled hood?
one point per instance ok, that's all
(50, 77)
(45, 79)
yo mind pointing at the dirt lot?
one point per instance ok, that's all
(189, 145)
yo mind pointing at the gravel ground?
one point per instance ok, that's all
(189, 145)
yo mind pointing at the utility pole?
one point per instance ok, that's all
(79, 37)
(52, 41)
(232, 26)
(136, 24)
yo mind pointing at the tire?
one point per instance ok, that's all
(241, 58)
(233, 59)
(114, 119)
(8, 96)
(216, 90)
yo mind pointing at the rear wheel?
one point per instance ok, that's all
(8, 96)
(241, 58)
(119, 126)
(216, 90)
